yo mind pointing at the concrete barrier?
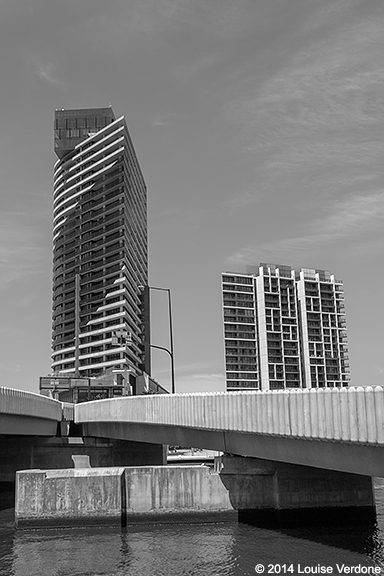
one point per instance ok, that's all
(77, 496)
(176, 492)
(254, 490)
(81, 460)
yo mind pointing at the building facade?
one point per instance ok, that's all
(75, 390)
(240, 332)
(323, 324)
(278, 327)
(284, 329)
(99, 247)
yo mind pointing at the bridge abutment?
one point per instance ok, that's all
(33, 452)
(23, 452)
(255, 491)
(269, 492)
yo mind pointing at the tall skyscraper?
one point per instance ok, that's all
(99, 246)
(284, 329)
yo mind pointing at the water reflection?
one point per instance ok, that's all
(160, 550)
(163, 550)
(195, 549)
(66, 553)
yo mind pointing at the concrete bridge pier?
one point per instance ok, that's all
(24, 452)
(47, 453)
(259, 492)
(266, 492)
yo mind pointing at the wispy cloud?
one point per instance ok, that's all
(320, 113)
(349, 220)
(201, 382)
(354, 215)
(10, 367)
(117, 28)
(189, 71)
(243, 199)
(165, 119)
(187, 220)
(204, 376)
(44, 68)
(20, 250)
(312, 121)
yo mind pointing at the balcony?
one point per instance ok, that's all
(275, 359)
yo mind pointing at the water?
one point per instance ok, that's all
(228, 549)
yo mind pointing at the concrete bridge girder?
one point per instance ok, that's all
(14, 424)
(363, 459)
(26, 413)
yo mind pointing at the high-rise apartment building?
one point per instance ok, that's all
(284, 329)
(99, 246)
(240, 332)
(323, 325)
(278, 327)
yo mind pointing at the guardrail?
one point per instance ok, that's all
(346, 414)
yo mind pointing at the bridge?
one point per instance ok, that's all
(26, 413)
(333, 429)
(35, 433)
(302, 454)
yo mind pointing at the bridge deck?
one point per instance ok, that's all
(339, 429)
(26, 413)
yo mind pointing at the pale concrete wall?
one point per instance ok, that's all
(116, 495)
(159, 490)
(250, 487)
(347, 414)
(65, 497)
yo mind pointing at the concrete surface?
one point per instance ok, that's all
(69, 497)
(342, 414)
(23, 452)
(257, 491)
(26, 413)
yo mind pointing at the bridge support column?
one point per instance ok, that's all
(255, 491)
(268, 492)
(27, 452)
(23, 452)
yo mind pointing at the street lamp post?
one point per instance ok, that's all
(170, 351)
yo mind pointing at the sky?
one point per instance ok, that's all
(259, 128)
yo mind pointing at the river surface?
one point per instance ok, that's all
(227, 549)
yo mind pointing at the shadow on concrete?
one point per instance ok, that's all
(7, 495)
(275, 495)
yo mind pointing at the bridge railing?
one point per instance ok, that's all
(21, 403)
(346, 414)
